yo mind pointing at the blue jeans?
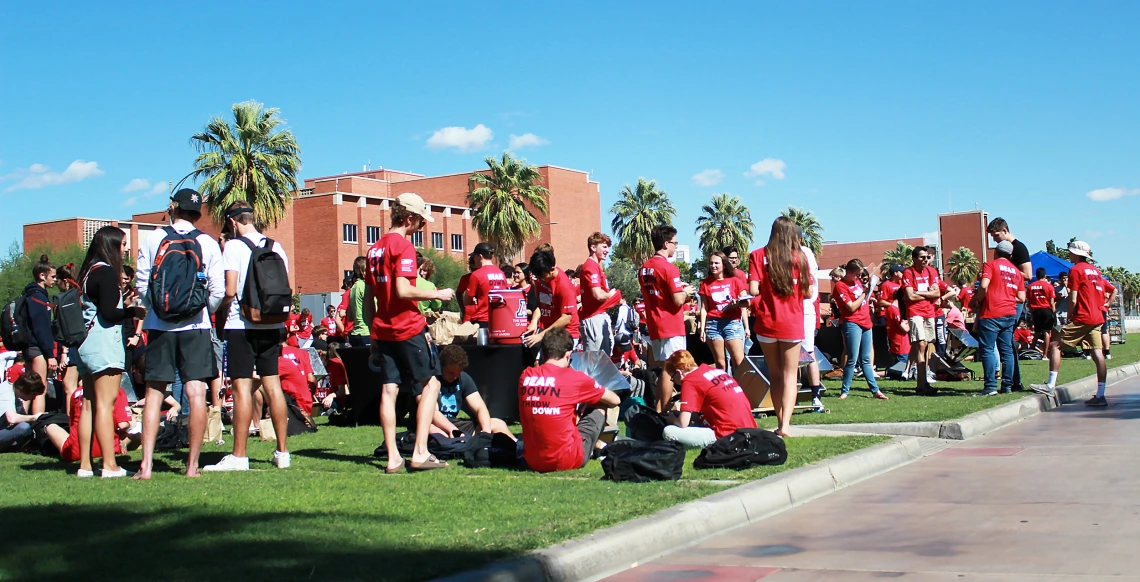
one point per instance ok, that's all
(858, 342)
(995, 340)
(15, 436)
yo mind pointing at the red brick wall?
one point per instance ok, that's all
(963, 229)
(575, 204)
(870, 252)
(53, 235)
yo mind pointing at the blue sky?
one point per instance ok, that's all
(876, 116)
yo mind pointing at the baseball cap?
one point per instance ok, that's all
(1079, 248)
(415, 205)
(1004, 247)
(484, 249)
(188, 199)
(896, 269)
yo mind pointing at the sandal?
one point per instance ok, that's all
(393, 471)
(429, 464)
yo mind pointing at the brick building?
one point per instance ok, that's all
(334, 219)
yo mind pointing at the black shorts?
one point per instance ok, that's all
(252, 349)
(465, 426)
(190, 351)
(1044, 320)
(409, 363)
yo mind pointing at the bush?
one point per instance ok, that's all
(16, 268)
(447, 273)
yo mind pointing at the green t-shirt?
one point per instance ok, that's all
(356, 298)
(431, 304)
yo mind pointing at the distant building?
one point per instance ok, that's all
(681, 254)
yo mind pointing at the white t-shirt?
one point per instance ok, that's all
(215, 279)
(809, 303)
(236, 258)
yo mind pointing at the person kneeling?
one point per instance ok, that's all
(710, 392)
(556, 437)
(457, 390)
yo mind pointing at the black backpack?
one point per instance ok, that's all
(486, 449)
(644, 424)
(743, 449)
(446, 448)
(68, 327)
(267, 297)
(14, 329)
(177, 288)
(640, 462)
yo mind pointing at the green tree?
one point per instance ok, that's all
(813, 230)
(447, 273)
(622, 274)
(636, 212)
(499, 204)
(16, 268)
(1062, 251)
(963, 266)
(689, 273)
(900, 255)
(725, 222)
(253, 160)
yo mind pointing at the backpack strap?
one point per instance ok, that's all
(248, 243)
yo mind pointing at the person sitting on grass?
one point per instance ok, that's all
(710, 392)
(15, 425)
(69, 442)
(559, 436)
(458, 391)
(1023, 336)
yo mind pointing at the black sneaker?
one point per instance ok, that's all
(1097, 401)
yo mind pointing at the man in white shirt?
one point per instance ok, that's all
(252, 349)
(183, 346)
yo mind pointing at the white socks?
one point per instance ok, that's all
(1052, 382)
(1100, 389)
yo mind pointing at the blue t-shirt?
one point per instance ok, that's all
(453, 396)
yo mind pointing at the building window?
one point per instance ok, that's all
(348, 233)
(457, 243)
(372, 234)
(437, 241)
(418, 239)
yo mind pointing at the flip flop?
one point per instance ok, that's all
(391, 471)
(428, 465)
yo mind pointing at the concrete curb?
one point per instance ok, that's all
(623, 546)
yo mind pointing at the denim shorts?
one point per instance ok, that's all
(724, 329)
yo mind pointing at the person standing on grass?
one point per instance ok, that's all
(179, 348)
(487, 277)
(898, 332)
(358, 333)
(779, 279)
(1042, 307)
(920, 282)
(720, 319)
(1061, 290)
(1001, 290)
(330, 323)
(711, 393)
(998, 230)
(556, 437)
(399, 331)
(597, 298)
(733, 256)
(1086, 316)
(557, 301)
(855, 318)
(102, 355)
(40, 353)
(1105, 338)
(252, 349)
(423, 281)
(811, 325)
(665, 296)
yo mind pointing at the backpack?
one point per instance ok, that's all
(743, 449)
(640, 462)
(69, 327)
(486, 450)
(177, 287)
(405, 445)
(172, 436)
(446, 448)
(644, 424)
(267, 297)
(14, 329)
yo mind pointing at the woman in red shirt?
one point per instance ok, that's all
(855, 323)
(721, 325)
(780, 280)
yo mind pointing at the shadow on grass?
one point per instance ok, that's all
(330, 455)
(103, 542)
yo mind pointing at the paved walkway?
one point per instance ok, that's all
(1052, 498)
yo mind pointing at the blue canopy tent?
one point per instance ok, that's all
(1053, 265)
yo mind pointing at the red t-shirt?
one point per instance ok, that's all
(548, 398)
(1001, 295)
(345, 324)
(640, 308)
(293, 324)
(965, 296)
(897, 337)
(1086, 302)
(742, 275)
(887, 290)
(939, 308)
(479, 285)
(848, 293)
(306, 324)
(1040, 293)
(14, 372)
(337, 375)
(714, 394)
(122, 413)
(720, 296)
(396, 319)
(557, 298)
(776, 317)
(920, 281)
(329, 323)
(593, 276)
(659, 280)
(1023, 335)
(464, 283)
(294, 368)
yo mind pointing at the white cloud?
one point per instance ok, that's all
(1105, 194)
(136, 185)
(159, 188)
(708, 177)
(461, 138)
(767, 166)
(129, 202)
(526, 140)
(39, 175)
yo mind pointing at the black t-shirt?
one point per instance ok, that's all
(1020, 254)
(453, 396)
(320, 344)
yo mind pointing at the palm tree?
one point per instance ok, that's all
(252, 160)
(725, 222)
(900, 255)
(636, 212)
(499, 204)
(962, 266)
(813, 230)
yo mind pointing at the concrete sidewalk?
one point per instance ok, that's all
(1055, 497)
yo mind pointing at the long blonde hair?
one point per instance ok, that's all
(782, 251)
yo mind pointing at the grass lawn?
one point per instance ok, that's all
(954, 399)
(333, 515)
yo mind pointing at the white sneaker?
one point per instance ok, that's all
(930, 378)
(281, 460)
(116, 474)
(1108, 356)
(84, 474)
(816, 403)
(229, 463)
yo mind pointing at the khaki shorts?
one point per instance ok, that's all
(922, 329)
(1074, 334)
